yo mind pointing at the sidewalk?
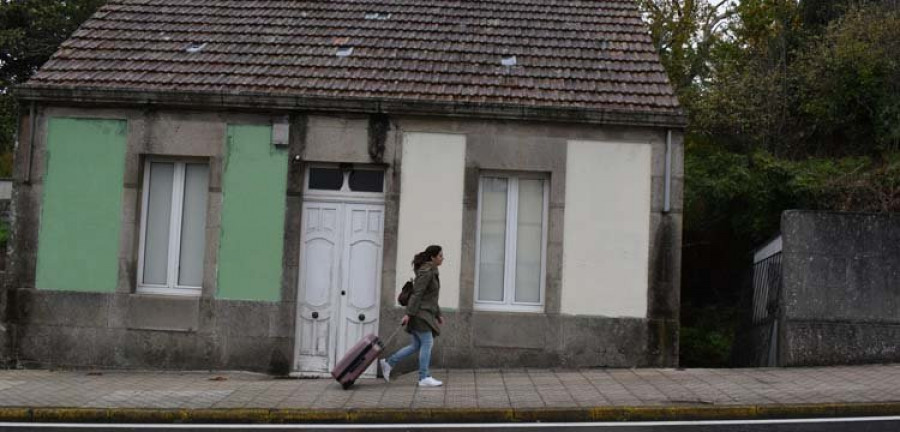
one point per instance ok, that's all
(467, 396)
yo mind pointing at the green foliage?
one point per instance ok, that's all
(750, 191)
(30, 32)
(790, 105)
(745, 190)
(684, 34)
(848, 82)
(4, 233)
(8, 118)
(707, 336)
(743, 104)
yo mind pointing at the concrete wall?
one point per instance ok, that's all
(124, 329)
(841, 288)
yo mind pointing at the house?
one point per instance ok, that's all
(242, 185)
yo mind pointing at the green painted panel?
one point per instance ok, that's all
(78, 244)
(253, 205)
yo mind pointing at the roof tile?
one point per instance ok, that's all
(593, 54)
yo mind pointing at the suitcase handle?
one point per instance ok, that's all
(391, 337)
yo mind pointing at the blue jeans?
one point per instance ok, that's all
(421, 342)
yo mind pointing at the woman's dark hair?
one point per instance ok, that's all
(425, 256)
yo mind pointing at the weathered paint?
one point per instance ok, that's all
(78, 244)
(607, 229)
(259, 336)
(431, 205)
(253, 206)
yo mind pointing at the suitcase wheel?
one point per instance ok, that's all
(347, 385)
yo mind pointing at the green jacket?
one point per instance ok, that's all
(423, 309)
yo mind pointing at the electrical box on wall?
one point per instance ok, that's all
(281, 132)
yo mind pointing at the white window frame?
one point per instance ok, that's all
(171, 287)
(509, 303)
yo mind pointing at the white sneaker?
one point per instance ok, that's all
(430, 382)
(385, 370)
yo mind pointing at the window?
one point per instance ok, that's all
(512, 233)
(366, 181)
(326, 178)
(173, 227)
(344, 180)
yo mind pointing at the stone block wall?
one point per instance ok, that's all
(125, 329)
(552, 338)
(122, 328)
(841, 288)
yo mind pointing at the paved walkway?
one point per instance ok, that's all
(26, 393)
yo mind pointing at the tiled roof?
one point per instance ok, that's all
(585, 54)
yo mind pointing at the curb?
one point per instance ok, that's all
(447, 415)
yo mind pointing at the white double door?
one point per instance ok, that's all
(340, 281)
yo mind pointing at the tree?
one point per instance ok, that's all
(684, 32)
(790, 105)
(848, 82)
(30, 32)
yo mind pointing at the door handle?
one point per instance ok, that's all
(315, 315)
(362, 317)
(343, 292)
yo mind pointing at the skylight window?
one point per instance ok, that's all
(344, 51)
(378, 16)
(195, 48)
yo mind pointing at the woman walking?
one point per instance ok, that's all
(423, 316)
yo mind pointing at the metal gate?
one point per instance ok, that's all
(767, 280)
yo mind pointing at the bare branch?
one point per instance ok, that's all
(719, 4)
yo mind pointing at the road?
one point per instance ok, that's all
(871, 424)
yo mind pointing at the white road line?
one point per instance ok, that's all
(449, 425)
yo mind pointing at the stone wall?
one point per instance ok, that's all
(841, 288)
(125, 329)
(553, 338)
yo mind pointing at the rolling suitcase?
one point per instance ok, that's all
(358, 359)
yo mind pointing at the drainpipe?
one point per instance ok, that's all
(32, 121)
(667, 204)
(669, 347)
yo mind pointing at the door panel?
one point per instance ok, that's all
(340, 281)
(361, 274)
(320, 265)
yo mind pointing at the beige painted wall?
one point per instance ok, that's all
(431, 205)
(607, 229)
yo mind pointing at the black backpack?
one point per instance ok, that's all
(405, 293)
